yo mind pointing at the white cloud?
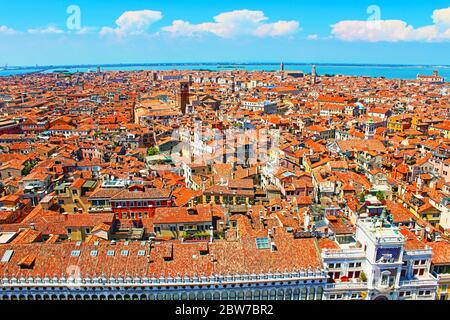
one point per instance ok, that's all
(441, 16)
(47, 30)
(393, 30)
(7, 30)
(235, 23)
(133, 23)
(312, 37)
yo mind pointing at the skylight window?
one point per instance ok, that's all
(262, 243)
(141, 253)
(7, 255)
(75, 253)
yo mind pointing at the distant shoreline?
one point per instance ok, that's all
(229, 64)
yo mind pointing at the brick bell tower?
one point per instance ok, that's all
(183, 96)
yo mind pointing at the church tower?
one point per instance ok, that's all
(183, 96)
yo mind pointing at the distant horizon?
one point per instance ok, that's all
(348, 64)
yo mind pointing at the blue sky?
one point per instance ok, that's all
(119, 31)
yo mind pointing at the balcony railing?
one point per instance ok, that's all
(164, 281)
(418, 283)
(346, 286)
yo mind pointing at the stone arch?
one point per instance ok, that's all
(288, 295)
(312, 294)
(200, 296)
(232, 295)
(135, 297)
(208, 296)
(257, 294)
(102, 297)
(86, 297)
(54, 297)
(319, 294)
(296, 294)
(249, 295)
(143, 297)
(224, 295)
(94, 297)
(192, 296)
(273, 294)
(280, 294)
(184, 296)
(111, 297)
(216, 296)
(265, 294)
(303, 293)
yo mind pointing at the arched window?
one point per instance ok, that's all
(208, 296)
(192, 296)
(319, 293)
(143, 297)
(265, 295)
(296, 294)
(311, 295)
(280, 294)
(224, 295)
(273, 294)
(184, 296)
(303, 294)
(200, 296)
(232, 295)
(248, 295)
(288, 295)
(216, 296)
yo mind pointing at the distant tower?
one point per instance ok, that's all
(99, 69)
(370, 130)
(183, 96)
(233, 84)
(282, 67)
(314, 74)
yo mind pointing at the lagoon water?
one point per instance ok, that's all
(387, 71)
